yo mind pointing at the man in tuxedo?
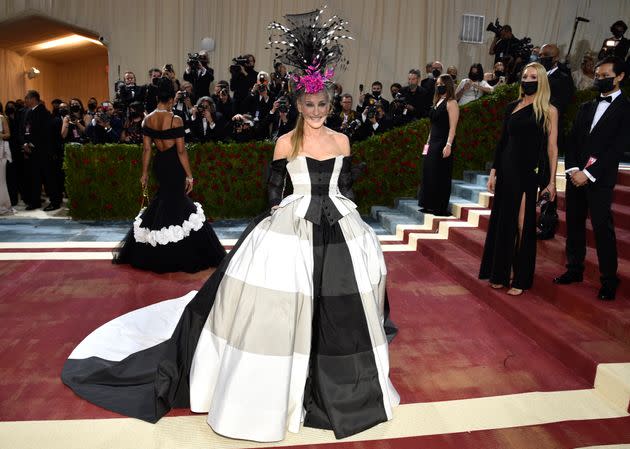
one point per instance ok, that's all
(38, 151)
(599, 136)
(415, 95)
(562, 91)
(200, 75)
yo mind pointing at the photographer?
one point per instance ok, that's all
(617, 45)
(91, 110)
(169, 72)
(260, 102)
(243, 77)
(72, 126)
(473, 87)
(376, 95)
(504, 44)
(199, 74)
(280, 120)
(279, 84)
(207, 124)
(149, 91)
(242, 128)
(497, 76)
(100, 130)
(374, 122)
(132, 129)
(224, 104)
(415, 96)
(127, 91)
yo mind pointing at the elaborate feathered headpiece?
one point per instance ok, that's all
(314, 48)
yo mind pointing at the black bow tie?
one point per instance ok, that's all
(608, 98)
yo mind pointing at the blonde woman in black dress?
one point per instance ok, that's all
(530, 129)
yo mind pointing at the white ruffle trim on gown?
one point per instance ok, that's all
(171, 234)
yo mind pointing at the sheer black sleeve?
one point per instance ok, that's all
(348, 175)
(276, 181)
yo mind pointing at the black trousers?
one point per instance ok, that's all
(597, 201)
(43, 169)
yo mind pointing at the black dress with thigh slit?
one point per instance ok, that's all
(516, 163)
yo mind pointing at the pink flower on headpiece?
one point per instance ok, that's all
(314, 81)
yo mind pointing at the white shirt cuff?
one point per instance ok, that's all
(568, 171)
(374, 125)
(588, 175)
(212, 125)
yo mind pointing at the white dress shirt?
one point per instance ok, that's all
(599, 112)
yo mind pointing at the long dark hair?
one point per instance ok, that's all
(447, 80)
(479, 68)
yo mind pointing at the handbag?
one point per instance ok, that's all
(145, 195)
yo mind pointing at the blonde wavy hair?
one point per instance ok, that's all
(297, 138)
(542, 96)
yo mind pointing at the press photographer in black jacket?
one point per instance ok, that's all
(243, 77)
(199, 74)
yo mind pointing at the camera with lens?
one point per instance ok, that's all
(283, 105)
(123, 93)
(193, 60)
(103, 117)
(495, 27)
(370, 106)
(237, 63)
(351, 128)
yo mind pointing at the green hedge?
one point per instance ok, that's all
(102, 181)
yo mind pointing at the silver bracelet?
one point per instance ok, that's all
(189, 179)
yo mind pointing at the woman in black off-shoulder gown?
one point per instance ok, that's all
(172, 233)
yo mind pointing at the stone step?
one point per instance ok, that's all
(579, 344)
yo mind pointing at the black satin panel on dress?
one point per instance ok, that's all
(148, 383)
(343, 392)
(321, 206)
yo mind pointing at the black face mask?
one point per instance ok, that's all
(376, 93)
(499, 73)
(529, 87)
(618, 33)
(75, 108)
(92, 106)
(475, 76)
(546, 62)
(63, 112)
(436, 73)
(441, 90)
(604, 85)
(10, 111)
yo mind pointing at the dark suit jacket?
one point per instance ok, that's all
(607, 142)
(210, 134)
(38, 122)
(201, 83)
(562, 90)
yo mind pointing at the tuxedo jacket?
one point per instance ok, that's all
(201, 83)
(38, 123)
(606, 142)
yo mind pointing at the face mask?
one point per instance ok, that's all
(474, 76)
(63, 112)
(376, 93)
(546, 62)
(441, 90)
(436, 73)
(92, 106)
(618, 33)
(529, 87)
(499, 73)
(604, 85)
(75, 108)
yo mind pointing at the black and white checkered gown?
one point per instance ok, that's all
(288, 330)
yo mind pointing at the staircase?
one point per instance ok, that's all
(567, 321)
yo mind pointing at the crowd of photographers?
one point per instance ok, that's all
(256, 105)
